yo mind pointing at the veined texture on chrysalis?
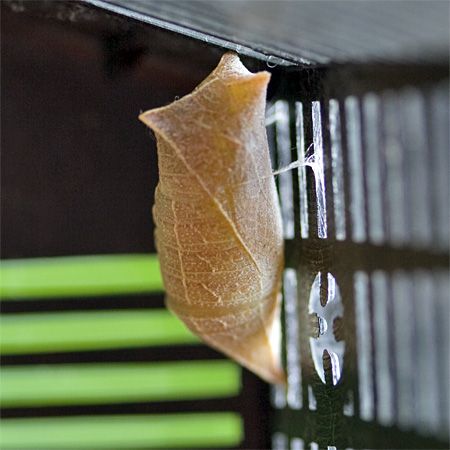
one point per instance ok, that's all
(217, 215)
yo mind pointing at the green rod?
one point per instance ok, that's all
(196, 430)
(83, 384)
(75, 276)
(93, 330)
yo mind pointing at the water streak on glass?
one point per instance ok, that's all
(439, 145)
(294, 387)
(442, 286)
(300, 143)
(283, 140)
(417, 162)
(318, 168)
(395, 173)
(297, 444)
(312, 402)
(385, 403)
(402, 291)
(355, 169)
(371, 111)
(363, 335)
(337, 169)
(427, 375)
(279, 441)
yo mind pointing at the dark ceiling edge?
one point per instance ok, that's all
(271, 60)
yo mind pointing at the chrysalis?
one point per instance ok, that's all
(218, 222)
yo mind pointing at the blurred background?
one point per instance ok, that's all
(90, 356)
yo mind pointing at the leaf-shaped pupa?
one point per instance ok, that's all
(218, 222)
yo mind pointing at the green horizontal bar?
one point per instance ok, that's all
(197, 430)
(74, 276)
(77, 384)
(72, 331)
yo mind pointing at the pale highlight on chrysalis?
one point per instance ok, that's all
(217, 215)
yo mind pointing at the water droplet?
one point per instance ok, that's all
(272, 61)
(177, 97)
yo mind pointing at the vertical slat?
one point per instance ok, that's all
(364, 348)
(294, 388)
(318, 168)
(412, 120)
(442, 286)
(384, 386)
(371, 117)
(283, 140)
(327, 167)
(426, 375)
(437, 114)
(357, 199)
(297, 444)
(403, 347)
(337, 169)
(303, 199)
(395, 204)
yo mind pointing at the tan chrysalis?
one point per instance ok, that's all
(217, 215)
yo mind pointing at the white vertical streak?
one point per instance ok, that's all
(395, 176)
(403, 347)
(318, 168)
(300, 142)
(385, 406)
(312, 402)
(355, 169)
(278, 396)
(294, 387)
(427, 378)
(314, 446)
(283, 140)
(297, 444)
(417, 162)
(279, 441)
(349, 405)
(363, 336)
(337, 168)
(371, 110)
